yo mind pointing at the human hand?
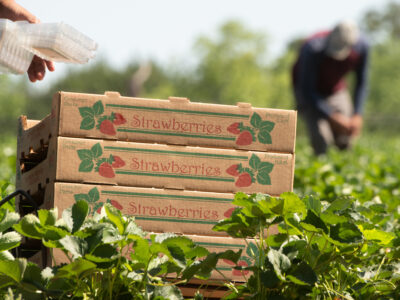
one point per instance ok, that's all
(356, 122)
(11, 10)
(340, 123)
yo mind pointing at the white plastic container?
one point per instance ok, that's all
(58, 42)
(14, 57)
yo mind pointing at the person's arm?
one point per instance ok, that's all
(11, 10)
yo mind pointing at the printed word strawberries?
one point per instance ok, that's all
(91, 159)
(258, 171)
(259, 130)
(93, 116)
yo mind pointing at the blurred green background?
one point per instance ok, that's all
(231, 67)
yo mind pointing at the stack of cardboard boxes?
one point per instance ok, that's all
(173, 164)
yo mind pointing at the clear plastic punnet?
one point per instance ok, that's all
(58, 42)
(14, 57)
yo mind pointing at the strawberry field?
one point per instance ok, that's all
(339, 238)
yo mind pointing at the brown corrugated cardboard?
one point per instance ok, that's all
(212, 244)
(152, 165)
(157, 210)
(174, 121)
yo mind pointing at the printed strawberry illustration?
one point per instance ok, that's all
(106, 170)
(99, 210)
(119, 119)
(245, 138)
(241, 263)
(244, 180)
(107, 127)
(116, 204)
(233, 170)
(234, 128)
(118, 162)
(229, 212)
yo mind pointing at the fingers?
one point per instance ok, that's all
(15, 12)
(37, 69)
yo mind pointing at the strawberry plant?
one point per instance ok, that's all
(322, 251)
(109, 257)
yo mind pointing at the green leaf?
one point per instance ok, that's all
(13, 269)
(48, 217)
(276, 240)
(86, 166)
(76, 268)
(346, 233)
(96, 150)
(85, 154)
(28, 226)
(302, 274)
(9, 240)
(256, 120)
(103, 253)
(315, 221)
(293, 204)
(264, 137)
(263, 178)
(6, 255)
(142, 251)
(115, 217)
(268, 278)
(383, 238)
(170, 292)
(75, 245)
(8, 220)
(279, 261)
(75, 216)
(254, 162)
(98, 108)
(267, 126)
(313, 204)
(94, 195)
(340, 204)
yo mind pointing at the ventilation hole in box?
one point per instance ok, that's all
(34, 157)
(29, 248)
(25, 207)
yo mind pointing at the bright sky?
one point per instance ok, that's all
(166, 29)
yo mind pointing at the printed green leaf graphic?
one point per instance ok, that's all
(263, 178)
(87, 123)
(265, 167)
(264, 137)
(256, 120)
(98, 108)
(267, 126)
(254, 162)
(84, 197)
(94, 195)
(86, 165)
(85, 154)
(86, 112)
(96, 150)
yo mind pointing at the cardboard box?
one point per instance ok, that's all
(155, 210)
(152, 165)
(212, 244)
(173, 121)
